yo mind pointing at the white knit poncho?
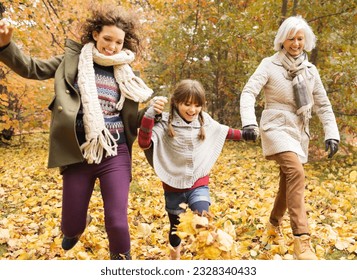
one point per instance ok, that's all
(180, 161)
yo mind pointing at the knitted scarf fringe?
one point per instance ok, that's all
(93, 151)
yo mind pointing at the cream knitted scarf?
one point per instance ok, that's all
(99, 140)
(296, 68)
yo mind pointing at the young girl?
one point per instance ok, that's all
(182, 147)
(94, 118)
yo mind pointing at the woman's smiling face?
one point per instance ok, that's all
(294, 45)
(110, 40)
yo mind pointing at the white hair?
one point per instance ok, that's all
(289, 28)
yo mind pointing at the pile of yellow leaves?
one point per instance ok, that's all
(243, 186)
(205, 240)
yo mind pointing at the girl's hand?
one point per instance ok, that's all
(5, 33)
(158, 103)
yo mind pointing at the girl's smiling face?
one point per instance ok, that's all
(110, 40)
(189, 111)
(294, 45)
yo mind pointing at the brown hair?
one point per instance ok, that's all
(187, 91)
(109, 15)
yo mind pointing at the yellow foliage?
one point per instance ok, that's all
(242, 186)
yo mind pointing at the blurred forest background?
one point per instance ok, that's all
(217, 42)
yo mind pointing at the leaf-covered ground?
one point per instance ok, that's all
(243, 186)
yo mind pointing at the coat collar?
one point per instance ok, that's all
(276, 61)
(72, 51)
(177, 121)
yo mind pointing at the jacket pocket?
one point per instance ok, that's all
(271, 120)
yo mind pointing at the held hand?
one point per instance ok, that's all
(5, 33)
(331, 145)
(158, 103)
(250, 132)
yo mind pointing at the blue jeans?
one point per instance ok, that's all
(174, 199)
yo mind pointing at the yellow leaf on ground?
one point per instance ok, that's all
(211, 252)
(342, 244)
(4, 235)
(353, 176)
(225, 241)
(144, 230)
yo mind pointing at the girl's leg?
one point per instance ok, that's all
(78, 184)
(200, 206)
(199, 199)
(115, 179)
(172, 206)
(173, 238)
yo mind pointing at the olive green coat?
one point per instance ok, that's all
(64, 148)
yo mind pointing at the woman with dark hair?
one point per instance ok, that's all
(94, 118)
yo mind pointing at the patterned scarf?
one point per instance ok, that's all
(297, 72)
(99, 140)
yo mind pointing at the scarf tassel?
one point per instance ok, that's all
(135, 84)
(93, 150)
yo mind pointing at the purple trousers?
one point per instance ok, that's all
(114, 174)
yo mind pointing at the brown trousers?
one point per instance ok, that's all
(291, 193)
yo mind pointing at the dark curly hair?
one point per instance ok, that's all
(109, 15)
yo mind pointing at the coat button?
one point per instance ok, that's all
(67, 91)
(60, 108)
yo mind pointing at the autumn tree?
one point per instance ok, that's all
(218, 42)
(222, 42)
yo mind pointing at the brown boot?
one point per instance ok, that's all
(276, 233)
(175, 252)
(276, 236)
(303, 249)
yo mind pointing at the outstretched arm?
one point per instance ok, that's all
(24, 65)
(236, 134)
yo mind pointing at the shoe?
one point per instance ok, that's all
(303, 249)
(276, 233)
(175, 252)
(69, 242)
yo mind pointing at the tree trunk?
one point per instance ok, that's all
(284, 10)
(2, 9)
(295, 5)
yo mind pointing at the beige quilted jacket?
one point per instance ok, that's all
(281, 129)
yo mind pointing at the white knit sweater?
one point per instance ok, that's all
(281, 128)
(180, 161)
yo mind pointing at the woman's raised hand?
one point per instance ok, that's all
(6, 30)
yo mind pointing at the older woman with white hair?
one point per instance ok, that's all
(293, 88)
